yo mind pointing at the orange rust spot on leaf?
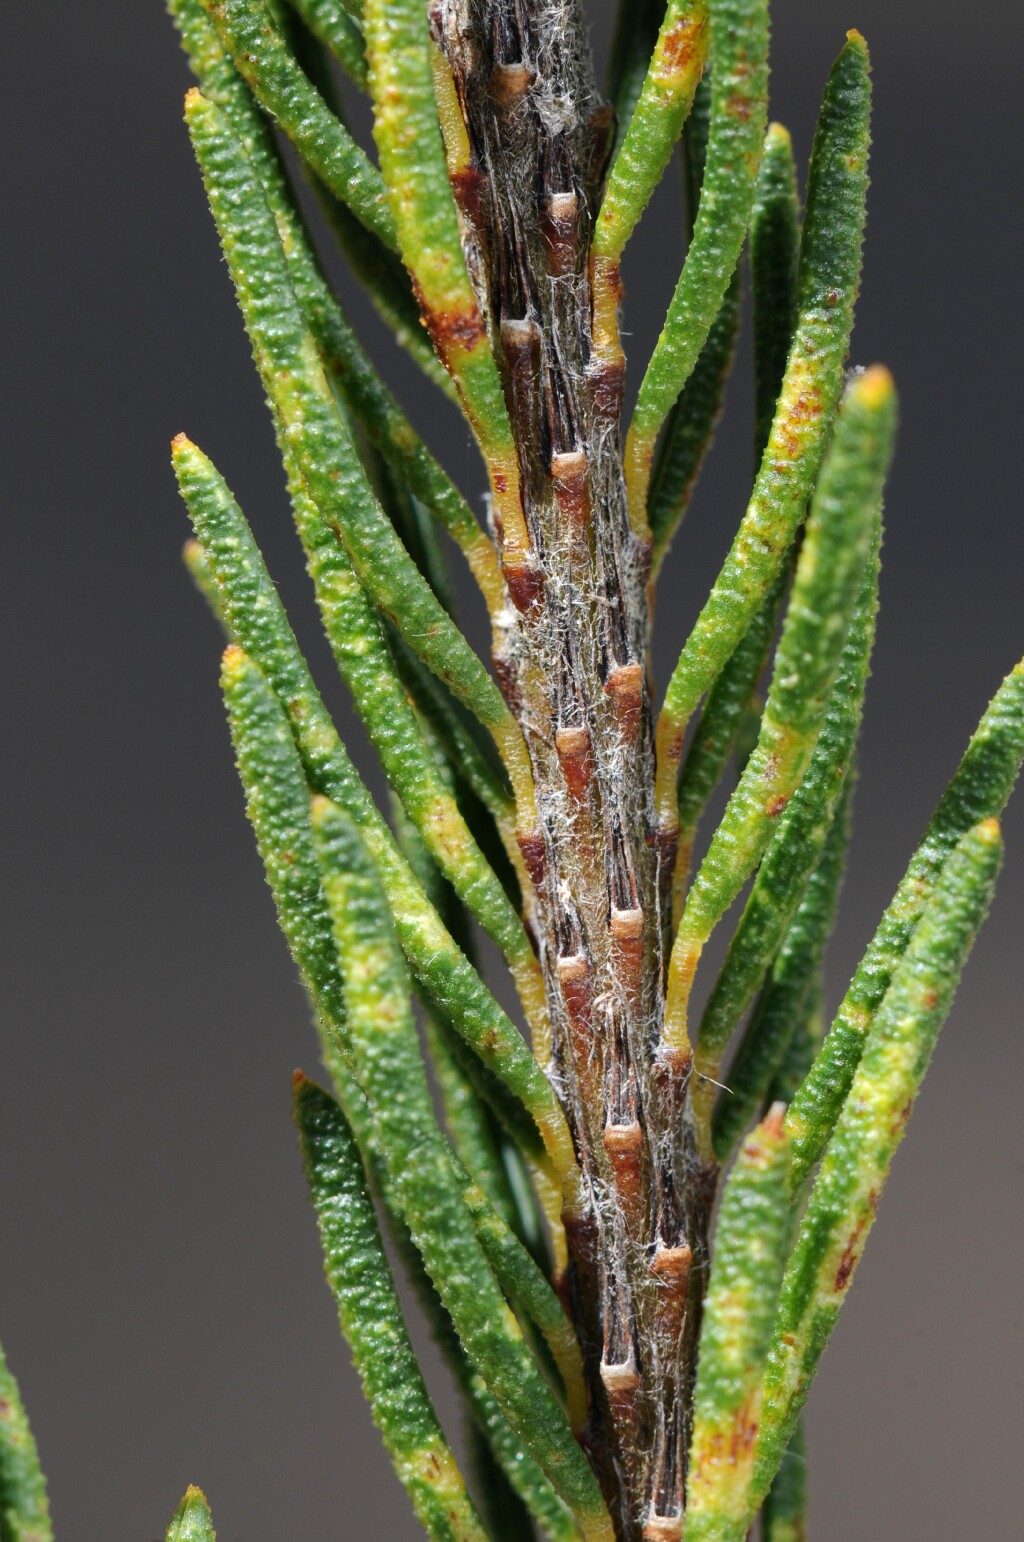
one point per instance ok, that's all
(739, 106)
(459, 329)
(681, 44)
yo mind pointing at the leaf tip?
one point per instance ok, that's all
(233, 664)
(778, 137)
(875, 388)
(772, 1123)
(320, 809)
(990, 832)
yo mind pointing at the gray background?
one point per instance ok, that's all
(160, 1290)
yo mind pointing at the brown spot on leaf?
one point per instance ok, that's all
(534, 854)
(505, 675)
(470, 188)
(680, 45)
(525, 583)
(739, 106)
(851, 1255)
(456, 330)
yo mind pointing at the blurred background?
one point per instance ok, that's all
(161, 1297)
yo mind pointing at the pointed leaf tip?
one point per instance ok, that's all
(778, 134)
(875, 387)
(772, 1123)
(192, 1521)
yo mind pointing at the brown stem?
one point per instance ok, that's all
(573, 665)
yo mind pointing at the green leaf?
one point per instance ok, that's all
(192, 1521)
(803, 830)
(412, 157)
(371, 1320)
(774, 259)
(784, 1513)
(289, 97)
(781, 1004)
(739, 85)
(845, 1195)
(664, 102)
(257, 619)
(978, 791)
(829, 276)
(277, 803)
(725, 710)
(419, 1164)
(774, 246)
(323, 452)
(750, 1246)
(376, 266)
(24, 1509)
(636, 32)
(835, 550)
(691, 424)
(329, 21)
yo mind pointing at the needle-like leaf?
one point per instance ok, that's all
(828, 580)
(192, 1521)
(846, 1192)
(318, 440)
(419, 1165)
(801, 836)
(331, 23)
(24, 1509)
(257, 620)
(408, 136)
(287, 94)
(978, 791)
(829, 276)
(782, 1001)
(751, 1236)
(739, 84)
(371, 1320)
